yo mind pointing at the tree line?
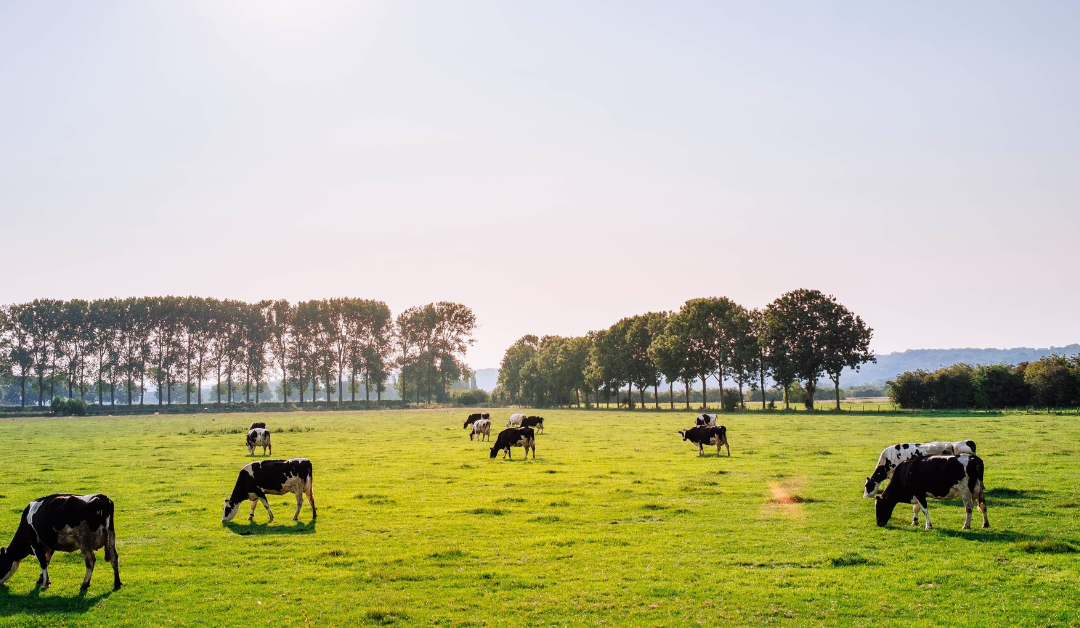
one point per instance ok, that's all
(1051, 382)
(802, 336)
(113, 350)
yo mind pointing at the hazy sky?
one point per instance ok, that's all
(554, 165)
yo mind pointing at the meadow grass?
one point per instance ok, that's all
(616, 522)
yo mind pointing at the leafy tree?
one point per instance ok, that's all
(641, 331)
(1054, 381)
(798, 322)
(845, 341)
(514, 359)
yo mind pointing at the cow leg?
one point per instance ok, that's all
(251, 517)
(299, 504)
(44, 557)
(114, 560)
(266, 504)
(700, 449)
(915, 514)
(925, 512)
(270, 448)
(310, 490)
(90, 560)
(726, 446)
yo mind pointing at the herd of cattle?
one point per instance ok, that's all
(85, 523)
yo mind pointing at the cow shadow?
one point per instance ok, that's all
(34, 603)
(975, 534)
(266, 529)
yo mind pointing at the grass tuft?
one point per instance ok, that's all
(487, 511)
(848, 560)
(385, 618)
(1048, 546)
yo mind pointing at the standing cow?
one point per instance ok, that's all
(940, 477)
(481, 429)
(515, 420)
(895, 454)
(271, 477)
(473, 418)
(257, 424)
(702, 435)
(536, 422)
(706, 419)
(514, 437)
(259, 437)
(63, 523)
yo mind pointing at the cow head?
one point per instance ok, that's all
(231, 508)
(8, 566)
(884, 507)
(683, 434)
(880, 474)
(495, 450)
(466, 426)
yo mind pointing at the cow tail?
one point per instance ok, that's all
(975, 475)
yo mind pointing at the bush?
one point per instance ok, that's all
(729, 399)
(67, 407)
(471, 398)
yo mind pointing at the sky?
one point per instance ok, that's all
(554, 165)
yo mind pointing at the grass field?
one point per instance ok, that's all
(616, 522)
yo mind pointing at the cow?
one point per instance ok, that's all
(257, 424)
(480, 429)
(473, 418)
(895, 454)
(271, 477)
(706, 419)
(514, 437)
(259, 437)
(515, 420)
(63, 523)
(940, 477)
(533, 421)
(702, 435)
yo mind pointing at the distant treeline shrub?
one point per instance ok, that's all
(1052, 382)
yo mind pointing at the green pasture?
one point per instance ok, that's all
(616, 522)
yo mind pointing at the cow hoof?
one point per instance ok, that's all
(116, 587)
(986, 525)
(84, 587)
(966, 528)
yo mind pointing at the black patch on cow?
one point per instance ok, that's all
(971, 444)
(905, 445)
(513, 437)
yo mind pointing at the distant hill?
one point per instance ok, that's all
(890, 365)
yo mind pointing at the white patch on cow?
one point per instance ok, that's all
(247, 468)
(34, 506)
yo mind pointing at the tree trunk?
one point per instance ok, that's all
(742, 404)
(671, 394)
(836, 382)
(786, 405)
(22, 387)
(219, 388)
(112, 394)
(762, 388)
(704, 396)
(100, 390)
(300, 381)
(687, 383)
(656, 395)
(577, 394)
(641, 396)
(811, 388)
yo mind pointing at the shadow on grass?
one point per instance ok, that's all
(266, 529)
(1014, 493)
(979, 535)
(34, 603)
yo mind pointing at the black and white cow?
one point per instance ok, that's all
(706, 419)
(534, 422)
(63, 523)
(481, 429)
(707, 435)
(259, 437)
(515, 420)
(271, 477)
(514, 437)
(257, 424)
(895, 454)
(940, 477)
(473, 418)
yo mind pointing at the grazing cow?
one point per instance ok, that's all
(707, 435)
(473, 418)
(63, 523)
(515, 420)
(895, 454)
(533, 421)
(257, 424)
(514, 437)
(706, 419)
(480, 429)
(259, 437)
(271, 477)
(940, 477)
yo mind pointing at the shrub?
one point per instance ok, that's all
(729, 399)
(67, 407)
(471, 398)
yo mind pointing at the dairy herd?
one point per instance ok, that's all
(86, 523)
